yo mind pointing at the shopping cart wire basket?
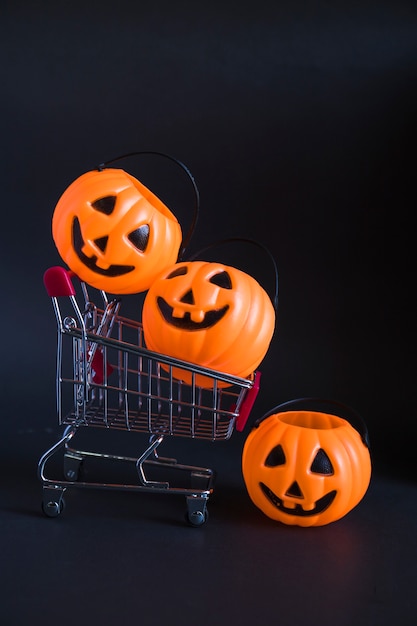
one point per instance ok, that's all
(106, 378)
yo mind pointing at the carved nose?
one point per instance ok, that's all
(294, 490)
(188, 298)
(101, 243)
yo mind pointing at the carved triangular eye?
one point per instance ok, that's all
(105, 205)
(140, 237)
(179, 271)
(222, 279)
(275, 457)
(322, 463)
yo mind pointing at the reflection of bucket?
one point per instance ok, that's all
(305, 468)
(100, 371)
(208, 380)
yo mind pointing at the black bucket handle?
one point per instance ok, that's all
(250, 241)
(186, 239)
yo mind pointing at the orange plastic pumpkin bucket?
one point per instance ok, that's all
(114, 233)
(307, 467)
(209, 314)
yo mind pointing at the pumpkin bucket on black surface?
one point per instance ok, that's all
(307, 467)
(210, 314)
(114, 233)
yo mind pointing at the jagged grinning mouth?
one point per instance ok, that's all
(91, 262)
(321, 505)
(186, 323)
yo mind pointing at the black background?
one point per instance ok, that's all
(298, 122)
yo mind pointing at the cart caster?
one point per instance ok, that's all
(53, 509)
(196, 518)
(197, 513)
(53, 502)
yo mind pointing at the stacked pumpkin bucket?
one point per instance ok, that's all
(301, 464)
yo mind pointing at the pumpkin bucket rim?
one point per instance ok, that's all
(312, 420)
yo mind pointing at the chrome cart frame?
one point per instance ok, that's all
(106, 378)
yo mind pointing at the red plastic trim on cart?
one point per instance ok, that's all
(57, 281)
(248, 403)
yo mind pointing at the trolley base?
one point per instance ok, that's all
(199, 480)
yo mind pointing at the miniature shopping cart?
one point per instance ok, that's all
(106, 378)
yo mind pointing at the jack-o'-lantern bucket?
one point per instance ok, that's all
(307, 467)
(210, 314)
(114, 233)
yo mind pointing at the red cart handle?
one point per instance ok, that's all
(58, 282)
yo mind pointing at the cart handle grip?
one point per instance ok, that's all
(58, 282)
(248, 403)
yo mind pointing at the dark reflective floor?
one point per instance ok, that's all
(112, 557)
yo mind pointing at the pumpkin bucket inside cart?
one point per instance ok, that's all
(211, 314)
(114, 233)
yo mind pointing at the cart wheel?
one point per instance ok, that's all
(196, 518)
(53, 508)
